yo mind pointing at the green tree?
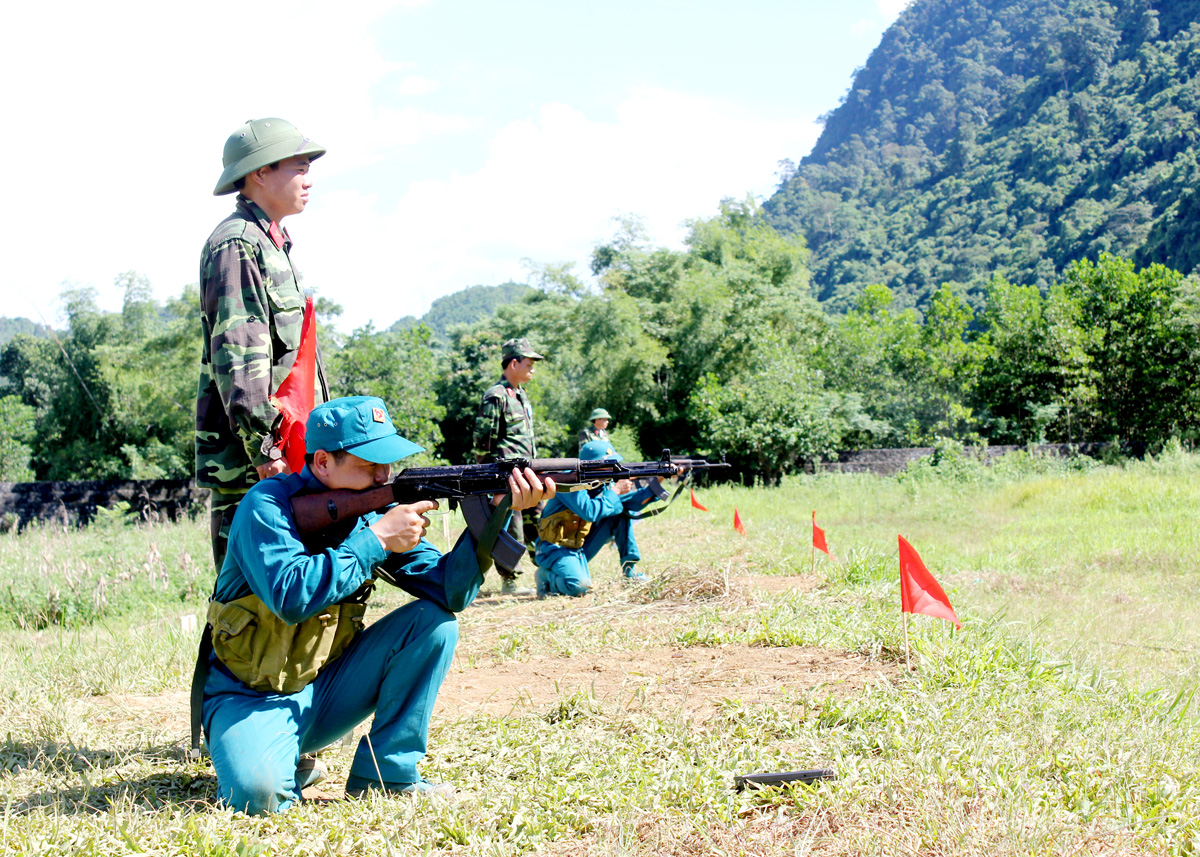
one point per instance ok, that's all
(1142, 355)
(1018, 392)
(774, 420)
(870, 351)
(16, 430)
(399, 367)
(114, 396)
(472, 364)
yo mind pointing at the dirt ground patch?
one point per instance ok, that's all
(690, 681)
(165, 713)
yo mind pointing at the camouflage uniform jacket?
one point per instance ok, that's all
(504, 424)
(589, 433)
(251, 310)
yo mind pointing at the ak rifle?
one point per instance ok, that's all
(471, 486)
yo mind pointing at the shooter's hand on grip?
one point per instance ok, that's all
(402, 527)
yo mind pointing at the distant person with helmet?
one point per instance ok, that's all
(293, 667)
(251, 310)
(574, 527)
(504, 429)
(597, 428)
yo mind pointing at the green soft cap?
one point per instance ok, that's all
(360, 425)
(260, 143)
(518, 348)
(599, 450)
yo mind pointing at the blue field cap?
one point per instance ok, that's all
(361, 426)
(599, 450)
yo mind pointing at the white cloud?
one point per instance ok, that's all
(887, 13)
(414, 85)
(118, 112)
(891, 9)
(113, 148)
(548, 190)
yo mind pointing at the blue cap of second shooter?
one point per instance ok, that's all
(361, 426)
(599, 450)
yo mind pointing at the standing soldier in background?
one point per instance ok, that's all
(251, 309)
(598, 428)
(504, 429)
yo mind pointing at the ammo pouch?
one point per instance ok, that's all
(267, 654)
(564, 528)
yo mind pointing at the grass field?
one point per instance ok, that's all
(1060, 720)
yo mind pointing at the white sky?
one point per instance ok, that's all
(464, 136)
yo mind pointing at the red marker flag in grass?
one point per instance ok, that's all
(819, 537)
(737, 522)
(295, 397)
(919, 592)
(695, 502)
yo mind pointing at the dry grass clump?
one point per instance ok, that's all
(687, 583)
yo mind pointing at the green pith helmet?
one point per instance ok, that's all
(260, 143)
(599, 414)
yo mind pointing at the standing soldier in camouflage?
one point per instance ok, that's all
(597, 428)
(251, 309)
(504, 429)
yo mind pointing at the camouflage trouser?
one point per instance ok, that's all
(220, 515)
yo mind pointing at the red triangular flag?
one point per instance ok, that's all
(295, 397)
(819, 537)
(919, 592)
(737, 522)
(695, 502)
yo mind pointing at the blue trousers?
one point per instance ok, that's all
(393, 670)
(564, 571)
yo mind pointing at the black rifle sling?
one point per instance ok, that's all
(650, 513)
(487, 539)
(199, 679)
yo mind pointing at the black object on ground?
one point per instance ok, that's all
(742, 781)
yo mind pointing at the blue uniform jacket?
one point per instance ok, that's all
(298, 577)
(606, 504)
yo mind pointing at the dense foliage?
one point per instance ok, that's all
(1006, 137)
(715, 349)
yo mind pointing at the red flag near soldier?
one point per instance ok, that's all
(296, 395)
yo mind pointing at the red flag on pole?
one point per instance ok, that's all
(695, 502)
(737, 522)
(295, 397)
(919, 592)
(819, 537)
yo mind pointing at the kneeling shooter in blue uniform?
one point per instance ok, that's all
(293, 668)
(575, 526)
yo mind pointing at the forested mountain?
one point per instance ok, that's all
(1005, 137)
(467, 306)
(10, 327)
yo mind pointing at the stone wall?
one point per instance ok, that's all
(75, 503)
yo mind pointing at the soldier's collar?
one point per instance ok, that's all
(278, 234)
